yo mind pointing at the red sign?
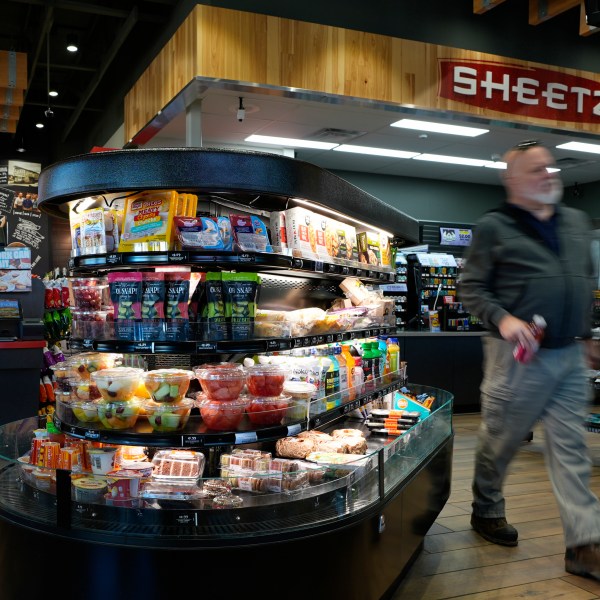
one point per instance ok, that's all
(519, 90)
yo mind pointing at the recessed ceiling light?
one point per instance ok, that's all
(289, 142)
(580, 147)
(53, 93)
(452, 160)
(72, 43)
(375, 151)
(39, 125)
(439, 127)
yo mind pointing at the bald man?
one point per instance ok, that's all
(532, 256)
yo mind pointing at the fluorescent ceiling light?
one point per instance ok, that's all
(320, 208)
(39, 125)
(289, 142)
(495, 164)
(580, 147)
(452, 160)
(53, 93)
(375, 151)
(439, 127)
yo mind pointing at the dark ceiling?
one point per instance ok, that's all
(115, 38)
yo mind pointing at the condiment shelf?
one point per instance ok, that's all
(197, 435)
(225, 346)
(234, 260)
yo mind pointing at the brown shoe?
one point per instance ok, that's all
(583, 561)
(495, 530)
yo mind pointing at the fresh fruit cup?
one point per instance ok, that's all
(89, 292)
(87, 363)
(118, 415)
(168, 416)
(118, 384)
(88, 324)
(268, 410)
(83, 390)
(218, 365)
(222, 385)
(168, 385)
(265, 380)
(63, 372)
(223, 415)
(86, 412)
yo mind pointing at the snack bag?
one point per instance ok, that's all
(126, 295)
(240, 292)
(197, 232)
(177, 295)
(93, 237)
(153, 306)
(213, 313)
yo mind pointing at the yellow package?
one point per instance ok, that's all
(192, 205)
(148, 221)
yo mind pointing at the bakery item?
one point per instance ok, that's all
(331, 446)
(294, 447)
(341, 433)
(315, 434)
(354, 444)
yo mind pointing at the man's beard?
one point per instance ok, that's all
(552, 196)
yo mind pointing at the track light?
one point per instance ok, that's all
(72, 43)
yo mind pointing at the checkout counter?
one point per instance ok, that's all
(21, 351)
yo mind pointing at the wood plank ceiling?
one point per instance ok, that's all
(541, 11)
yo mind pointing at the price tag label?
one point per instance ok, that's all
(294, 429)
(87, 344)
(297, 263)
(178, 257)
(339, 337)
(320, 340)
(246, 258)
(318, 266)
(359, 273)
(345, 270)
(206, 347)
(372, 274)
(273, 345)
(298, 342)
(332, 268)
(191, 441)
(246, 437)
(329, 339)
(71, 263)
(314, 340)
(92, 435)
(383, 276)
(144, 347)
(114, 259)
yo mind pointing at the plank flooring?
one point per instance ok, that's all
(457, 563)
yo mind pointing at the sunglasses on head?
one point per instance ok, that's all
(525, 145)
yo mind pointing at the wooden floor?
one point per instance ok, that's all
(457, 563)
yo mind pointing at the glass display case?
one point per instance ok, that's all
(359, 520)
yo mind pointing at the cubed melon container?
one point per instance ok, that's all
(168, 385)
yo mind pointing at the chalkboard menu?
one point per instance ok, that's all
(22, 224)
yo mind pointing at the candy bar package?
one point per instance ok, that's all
(153, 306)
(177, 296)
(126, 297)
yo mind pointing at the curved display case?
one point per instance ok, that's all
(349, 530)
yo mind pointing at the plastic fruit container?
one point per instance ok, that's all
(171, 416)
(118, 415)
(87, 363)
(268, 410)
(168, 385)
(83, 390)
(88, 293)
(222, 385)
(265, 380)
(118, 384)
(223, 415)
(86, 412)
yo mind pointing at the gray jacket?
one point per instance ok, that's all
(510, 269)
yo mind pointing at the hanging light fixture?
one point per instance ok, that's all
(72, 43)
(21, 146)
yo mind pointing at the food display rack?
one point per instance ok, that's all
(353, 537)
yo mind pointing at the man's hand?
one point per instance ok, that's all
(518, 332)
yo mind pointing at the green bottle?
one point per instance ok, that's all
(368, 365)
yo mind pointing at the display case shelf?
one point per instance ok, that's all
(206, 259)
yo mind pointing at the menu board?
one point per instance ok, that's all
(15, 269)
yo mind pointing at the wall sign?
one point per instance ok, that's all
(450, 236)
(520, 90)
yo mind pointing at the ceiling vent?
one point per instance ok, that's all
(570, 163)
(339, 136)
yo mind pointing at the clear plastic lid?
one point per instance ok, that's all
(300, 389)
(266, 369)
(221, 374)
(168, 374)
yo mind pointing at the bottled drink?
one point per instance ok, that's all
(538, 328)
(367, 364)
(392, 363)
